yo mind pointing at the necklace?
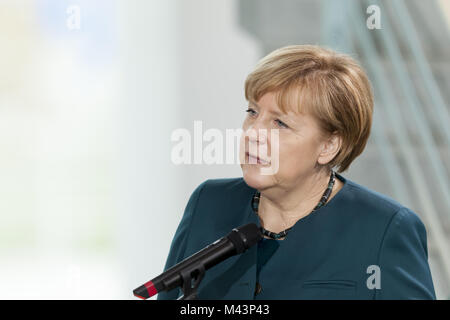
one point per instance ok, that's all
(323, 200)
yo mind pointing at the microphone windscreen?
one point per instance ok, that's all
(252, 233)
(245, 236)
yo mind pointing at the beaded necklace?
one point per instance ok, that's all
(323, 200)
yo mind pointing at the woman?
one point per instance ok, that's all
(325, 236)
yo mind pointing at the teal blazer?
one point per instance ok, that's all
(360, 245)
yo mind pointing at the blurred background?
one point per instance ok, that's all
(91, 91)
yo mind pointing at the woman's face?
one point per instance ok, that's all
(290, 159)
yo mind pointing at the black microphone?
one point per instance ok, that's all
(236, 242)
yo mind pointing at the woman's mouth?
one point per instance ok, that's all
(256, 160)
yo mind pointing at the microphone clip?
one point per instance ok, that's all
(195, 272)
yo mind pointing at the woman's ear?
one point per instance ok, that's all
(330, 149)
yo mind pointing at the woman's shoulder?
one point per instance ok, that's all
(220, 205)
(372, 197)
(226, 183)
(214, 196)
(372, 205)
(225, 188)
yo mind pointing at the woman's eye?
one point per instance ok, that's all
(281, 124)
(251, 111)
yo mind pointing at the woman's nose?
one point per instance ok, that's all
(257, 134)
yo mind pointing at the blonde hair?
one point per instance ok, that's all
(328, 85)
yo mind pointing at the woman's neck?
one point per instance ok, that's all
(279, 209)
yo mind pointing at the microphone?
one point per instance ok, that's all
(236, 242)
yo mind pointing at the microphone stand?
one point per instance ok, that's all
(194, 271)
